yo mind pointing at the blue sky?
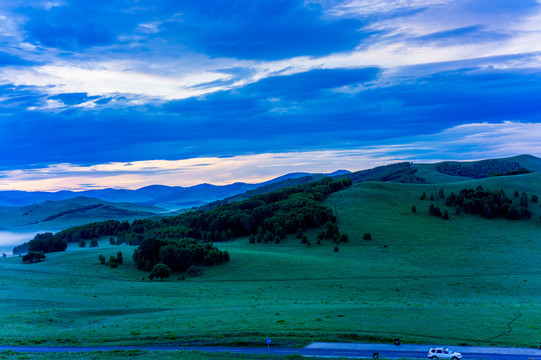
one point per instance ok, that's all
(132, 93)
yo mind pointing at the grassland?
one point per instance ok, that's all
(467, 280)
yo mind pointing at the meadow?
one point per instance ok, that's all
(466, 280)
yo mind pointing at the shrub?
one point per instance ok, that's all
(336, 249)
(344, 238)
(413, 209)
(195, 270)
(101, 258)
(82, 243)
(367, 236)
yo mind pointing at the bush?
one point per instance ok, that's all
(367, 236)
(336, 249)
(101, 258)
(195, 270)
(82, 243)
(344, 238)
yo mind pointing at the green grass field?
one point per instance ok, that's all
(466, 280)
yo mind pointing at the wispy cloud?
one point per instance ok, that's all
(463, 142)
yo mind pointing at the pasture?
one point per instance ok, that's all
(466, 280)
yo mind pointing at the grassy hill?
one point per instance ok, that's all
(71, 212)
(467, 280)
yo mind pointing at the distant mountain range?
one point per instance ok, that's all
(166, 197)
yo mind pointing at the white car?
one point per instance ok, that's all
(443, 353)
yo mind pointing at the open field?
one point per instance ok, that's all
(467, 280)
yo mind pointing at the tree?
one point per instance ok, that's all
(101, 258)
(34, 256)
(160, 271)
(113, 262)
(94, 242)
(413, 209)
(119, 258)
(82, 243)
(367, 236)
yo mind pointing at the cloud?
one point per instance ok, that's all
(463, 142)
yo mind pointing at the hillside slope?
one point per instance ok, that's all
(71, 212)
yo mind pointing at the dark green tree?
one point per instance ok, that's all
(34, 256)
(160, 271)
(119, 258)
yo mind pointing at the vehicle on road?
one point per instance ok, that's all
(443, 353)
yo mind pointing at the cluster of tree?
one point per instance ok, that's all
(177, 254)
(400, 172)
(481, 169)
(489, 204)
(435, 211)
(113, 261)
(93, 243)
(44, 242)
(267, 216)
(34, 256)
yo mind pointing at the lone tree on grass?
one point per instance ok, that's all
(160, 271)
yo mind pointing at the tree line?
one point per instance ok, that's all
(485, 202)
(186, 239)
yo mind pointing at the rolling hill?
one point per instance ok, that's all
(58, 215)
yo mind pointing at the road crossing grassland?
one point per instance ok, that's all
(423, 279)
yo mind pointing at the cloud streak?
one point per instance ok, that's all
(465, 142)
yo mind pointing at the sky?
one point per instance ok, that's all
(125, 94)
